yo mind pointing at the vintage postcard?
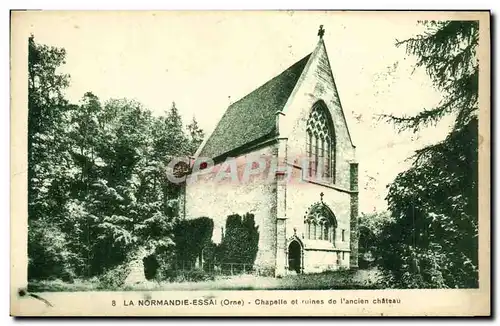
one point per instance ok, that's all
(245, 163)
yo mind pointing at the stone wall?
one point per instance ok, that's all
(354, 215)
(216, 199)
(317, 261)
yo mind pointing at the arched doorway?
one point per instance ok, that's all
(295, 257)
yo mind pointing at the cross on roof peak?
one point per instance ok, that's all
(321, 32)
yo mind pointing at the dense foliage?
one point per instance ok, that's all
(432, 241)
(191, 238)
(240, 241)
(97, 184)
(194, 248)
(370, 228)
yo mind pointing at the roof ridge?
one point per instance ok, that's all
(273, 78)
(252, 116)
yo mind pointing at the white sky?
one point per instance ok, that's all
(200, 59)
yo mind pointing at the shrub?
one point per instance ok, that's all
(197, 275)
(48, 255)
(194, 275)
(191, 236)
(114, 278)
(240, 241)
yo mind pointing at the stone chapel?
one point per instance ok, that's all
(306, 213)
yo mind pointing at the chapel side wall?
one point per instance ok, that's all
(218, 199)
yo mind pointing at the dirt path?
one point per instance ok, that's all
(334, 280)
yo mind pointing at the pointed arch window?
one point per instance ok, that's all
(320, 144)
(320, 223)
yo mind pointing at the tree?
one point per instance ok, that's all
(49, 165)
(196, 136)
(47, 110)
(98, 193)
(370, 227)
(447, 51)
(192, 236)
(240, 241)
(176, 143)
(432, 241)
(132, 214)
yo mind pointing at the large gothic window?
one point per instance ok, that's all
(320, 146)
(320, 223)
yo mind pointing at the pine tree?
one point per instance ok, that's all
(433, 239)
(196, 136)
(176, 144)
(447, 52)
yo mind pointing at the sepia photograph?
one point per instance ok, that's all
(284, 162)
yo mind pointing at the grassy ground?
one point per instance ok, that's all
(360, 279)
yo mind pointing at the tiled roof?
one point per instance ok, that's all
(253, 117)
